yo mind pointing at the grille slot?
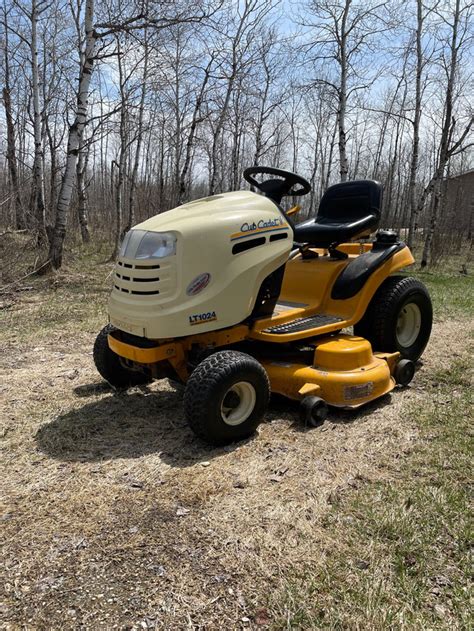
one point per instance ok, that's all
(147, 267)
(146, 280)
(138, 280)
(143, 280)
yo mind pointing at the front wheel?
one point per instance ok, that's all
(110, 367)
(398, 318)
(226, 397)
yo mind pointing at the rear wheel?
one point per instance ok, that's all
(110, 367)
(226, 397)
(398, 318)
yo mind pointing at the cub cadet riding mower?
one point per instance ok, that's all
(228, 296)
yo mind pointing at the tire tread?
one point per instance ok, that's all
(206, 379)
(109, 366)
(373, 326)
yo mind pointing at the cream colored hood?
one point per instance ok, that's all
(226, 245)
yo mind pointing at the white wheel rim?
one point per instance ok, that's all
(240, 411)
(408, 324)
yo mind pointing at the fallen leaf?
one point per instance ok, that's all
(361, 564)
(261, 617)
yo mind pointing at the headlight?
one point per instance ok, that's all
(156, 245)
(143, 244)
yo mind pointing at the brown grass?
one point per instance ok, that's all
(117, 517)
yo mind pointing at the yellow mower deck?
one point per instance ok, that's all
(345, 372)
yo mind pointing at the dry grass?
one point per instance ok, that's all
(117, 517)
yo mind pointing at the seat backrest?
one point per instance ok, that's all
(349, 201)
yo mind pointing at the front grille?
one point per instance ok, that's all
(140, 279)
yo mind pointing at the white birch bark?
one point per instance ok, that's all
(11, 155)
(446, 135)
(82, 210)
(416, 126)
(139, 143)
(196, 119)
(76, 132)
(37, 194)
(342, 96)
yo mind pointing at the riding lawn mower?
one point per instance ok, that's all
(228, 296)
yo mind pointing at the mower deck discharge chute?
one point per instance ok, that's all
(228, 296)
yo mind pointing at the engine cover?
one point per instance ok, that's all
(226, 245)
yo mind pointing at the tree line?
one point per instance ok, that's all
(117, 110)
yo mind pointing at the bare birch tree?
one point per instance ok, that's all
(11, 154)
(33, 13)
(422, 58)
(76, 132)
(458, 36)
(249, 18)
(76, 129)
(341, 34)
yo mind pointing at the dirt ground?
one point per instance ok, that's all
(116, 516)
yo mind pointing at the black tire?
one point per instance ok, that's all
(404, 372)
(313, 411)
(212, 382)
(398, 295)
(109, 366)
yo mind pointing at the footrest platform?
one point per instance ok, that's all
(303, 324)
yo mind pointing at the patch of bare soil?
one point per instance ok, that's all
(116, 516)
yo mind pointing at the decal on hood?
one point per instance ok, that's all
(248, 229)
(202, 318)
(198, 284)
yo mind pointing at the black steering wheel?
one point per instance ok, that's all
(277, 188)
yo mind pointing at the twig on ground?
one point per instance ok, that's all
(15, 282)
(2, 234)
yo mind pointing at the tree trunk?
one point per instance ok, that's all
(192, 133)
(426, 256)
(342, 94)
(76, 132)
(447, 129)
(416, 129)
(18, 214)
(118, 204)
(329, 165)
(37, 192)
(19, 218)
(215, 154)
(122, 159)
(138, 146)
(82, 214)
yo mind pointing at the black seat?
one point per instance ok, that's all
(347, 211)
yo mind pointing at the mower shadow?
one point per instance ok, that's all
(343, 417)
(281, 408)
(126, 425)
(141, 422)
(91, 389)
